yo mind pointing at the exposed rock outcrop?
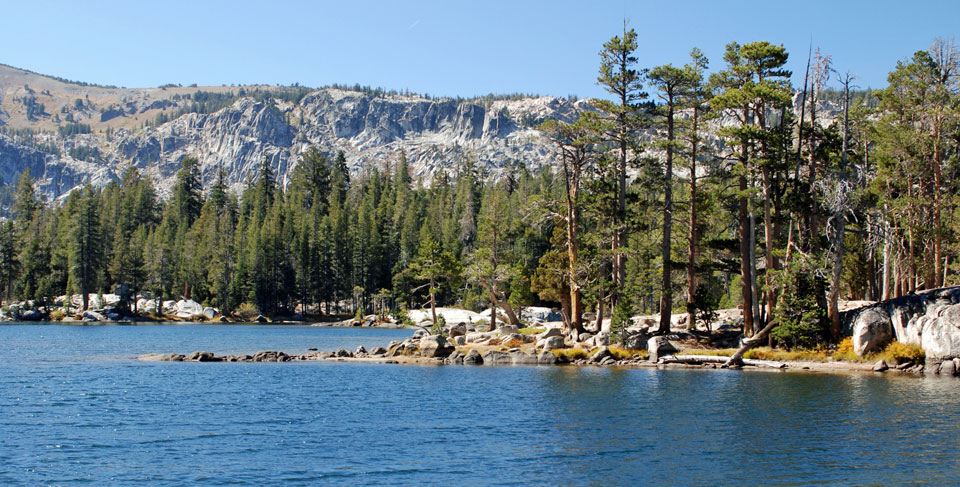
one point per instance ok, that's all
(930, 319)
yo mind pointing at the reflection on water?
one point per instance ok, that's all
(76, 408)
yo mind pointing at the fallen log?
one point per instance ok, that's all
(719, 359)
(753, 341)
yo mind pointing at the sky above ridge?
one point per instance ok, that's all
(449, 48)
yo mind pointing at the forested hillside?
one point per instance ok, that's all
(693, 186)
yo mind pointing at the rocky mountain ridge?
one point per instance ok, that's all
(371, 128)
(70, 134)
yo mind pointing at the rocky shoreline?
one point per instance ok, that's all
(431, 350)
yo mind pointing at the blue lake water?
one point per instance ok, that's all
(75, 408)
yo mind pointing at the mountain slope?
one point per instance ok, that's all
(44, 120)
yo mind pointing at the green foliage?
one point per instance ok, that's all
(801, 318)
(85, 153)
(70, 129)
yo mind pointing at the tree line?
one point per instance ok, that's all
(685, 191)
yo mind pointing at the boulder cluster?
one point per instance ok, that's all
(108, 307)
(930, 320)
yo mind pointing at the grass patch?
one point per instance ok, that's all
(531, 331)
(620, 353)
(777, 355)
(571, 354)
(513, 343)
(713, 352)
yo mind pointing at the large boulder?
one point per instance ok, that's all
(493, 357)
(551, 343)
(550, 332)
(601, 354)
(460, 329)
(508, 329)
(473, 358)
(872, 331)
(538, 314)
(93, 316)
(146, 305)
(188, 308)
(435, 346)
(523, 358)
(30, 315)
(948, 367)
(547, 358)
(940, 335)
(209, 313)
(478, 336)
(659, 346)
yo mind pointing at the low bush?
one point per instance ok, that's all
(57, 315)
(246, 311)
(900, 353)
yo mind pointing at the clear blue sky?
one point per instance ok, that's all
(443, 47)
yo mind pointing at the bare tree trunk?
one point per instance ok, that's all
(737, 358)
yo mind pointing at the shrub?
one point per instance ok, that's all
(57, 315)
(439, 327)
(802, 321)
(621, 318)
(903, 352)
(845, 351)
(403, 317)
(246, 311)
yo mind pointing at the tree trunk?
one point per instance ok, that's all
(737, 358)
(433, 303)
(768, 231)
(754, 281)
(692, 237)
(746, 292)
(599, 320)
(576, 307)
(666, 285)
(498, 303)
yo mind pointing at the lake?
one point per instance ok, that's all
(76, 408)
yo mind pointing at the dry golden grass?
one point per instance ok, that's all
(620, 353)
(895, 352)
(571, 354)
